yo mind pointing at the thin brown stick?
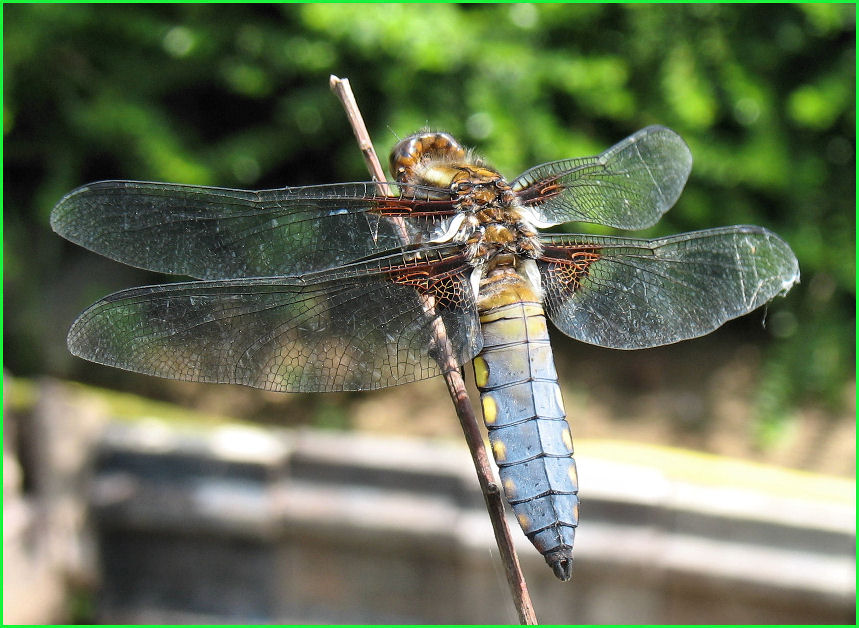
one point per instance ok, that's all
(343, 91)
(455, 385)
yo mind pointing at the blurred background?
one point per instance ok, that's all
(237, 96)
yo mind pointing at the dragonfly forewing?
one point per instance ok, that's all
(221, 233)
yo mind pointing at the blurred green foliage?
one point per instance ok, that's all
(237, 95)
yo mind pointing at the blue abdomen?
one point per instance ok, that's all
(528, 431)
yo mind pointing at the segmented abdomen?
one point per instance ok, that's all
(530, 438)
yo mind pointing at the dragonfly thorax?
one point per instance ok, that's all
(498, 231)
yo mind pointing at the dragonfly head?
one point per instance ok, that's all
(438, 160)
(415, 153)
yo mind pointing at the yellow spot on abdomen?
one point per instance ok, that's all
(573, 475)
(524, 521)
(499, 450)
(510, 488)
(490, 410)
(481, 371)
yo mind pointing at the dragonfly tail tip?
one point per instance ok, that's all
(561, 562)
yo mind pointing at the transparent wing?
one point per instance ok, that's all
(629, 186)
(219, 233)
(361, 327)
(627, 293)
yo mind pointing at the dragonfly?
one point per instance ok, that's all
(356, 286)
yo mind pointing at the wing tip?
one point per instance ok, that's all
(63, 211)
